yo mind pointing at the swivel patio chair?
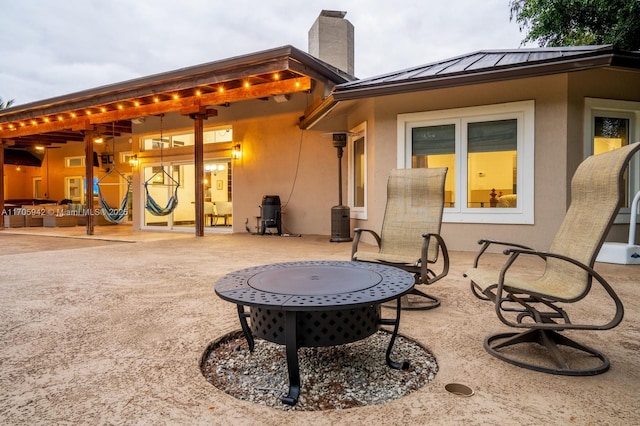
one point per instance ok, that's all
(410, 236)
(538, 304)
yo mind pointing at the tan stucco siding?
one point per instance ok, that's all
(615, 84)
(550, 96)
(268, 166)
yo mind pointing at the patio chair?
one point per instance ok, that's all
(538, 304)
(222, 209)
(410, 236)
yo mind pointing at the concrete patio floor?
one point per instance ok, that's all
(110, 330)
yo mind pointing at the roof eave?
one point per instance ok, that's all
(264, 61)
(486, 76)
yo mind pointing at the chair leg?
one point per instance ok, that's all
(416, 300)
(424, 301)
(552, 341)
(488, 294)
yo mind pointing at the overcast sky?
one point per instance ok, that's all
(52, 48)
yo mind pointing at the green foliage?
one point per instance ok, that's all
(7, 104)
(579, 22)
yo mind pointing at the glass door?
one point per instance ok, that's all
(217, 206)
(217, 199)
(163, 184)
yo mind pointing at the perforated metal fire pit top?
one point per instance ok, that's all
(314, 285)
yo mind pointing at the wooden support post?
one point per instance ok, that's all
(88, 149)
(198, 157)
(1, 184)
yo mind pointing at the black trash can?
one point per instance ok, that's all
(340, 224)
(271, 214)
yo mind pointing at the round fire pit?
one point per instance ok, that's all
(314, 329)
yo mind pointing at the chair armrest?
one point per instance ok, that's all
(487, 243)
(515, 252)
(357, 232)
(427, 275)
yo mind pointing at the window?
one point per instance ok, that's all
(489, 153)
(74, 161)
(357, 157)
(74, 189)
(174, 140)
(126, 157)
(611, 124)
(38, 189)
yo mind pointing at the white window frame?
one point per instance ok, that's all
(524, 112)
(360, 131)
(125, 157)
(37, 187)
(81, 189)
(69, 160)
(176, 139)
(618, 109)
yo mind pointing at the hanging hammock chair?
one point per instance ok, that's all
(166, 180)
(114, 214)
(151, 205)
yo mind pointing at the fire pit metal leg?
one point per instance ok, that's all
(398, 365)
(245, 327)
(291, 344)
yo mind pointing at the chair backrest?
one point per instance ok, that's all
(597, 191)
(415, 201)
(223, 208)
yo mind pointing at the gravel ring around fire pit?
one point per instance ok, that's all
(335, 377)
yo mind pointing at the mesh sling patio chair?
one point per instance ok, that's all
(537, 302)
(410, 236)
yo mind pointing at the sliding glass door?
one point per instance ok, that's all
(164, 184)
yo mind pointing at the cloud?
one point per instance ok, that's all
(55, 48)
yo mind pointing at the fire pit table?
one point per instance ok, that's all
(315, 304)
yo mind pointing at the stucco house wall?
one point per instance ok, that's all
(278, 158)
(559, 143)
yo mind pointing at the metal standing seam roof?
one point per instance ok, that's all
(488, 65)
(475, 68)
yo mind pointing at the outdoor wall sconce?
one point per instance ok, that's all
(236, 152)
(133, 160)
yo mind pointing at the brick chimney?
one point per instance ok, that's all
(331, 40)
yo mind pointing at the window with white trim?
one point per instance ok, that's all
(611, 124)
(489, 153)
(74, 161)
(176, 140)
(357, 181)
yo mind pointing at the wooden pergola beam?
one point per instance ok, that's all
(188, 103)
